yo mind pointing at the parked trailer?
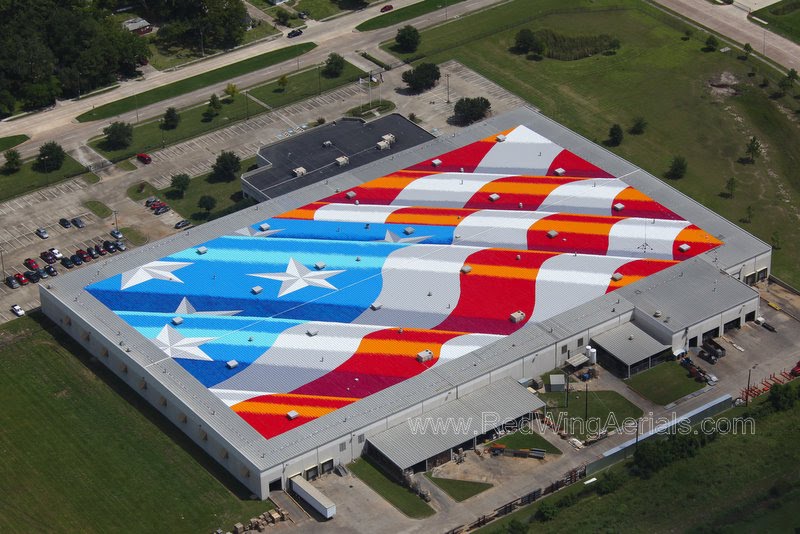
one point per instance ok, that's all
(714, 348)
(313, 497)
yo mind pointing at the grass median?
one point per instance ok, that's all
(586, 414)
(459, 490)
(194, 83)
(403, 14)
(303, 85)
(664, 383)
(12, 141)
(398, 496)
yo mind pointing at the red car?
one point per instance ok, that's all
(157, 204)
(21, 279)
(144, 158)
(85, 256)
(48, 257)
(386, 8)
(31, 264)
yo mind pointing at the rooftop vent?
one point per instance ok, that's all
(299, 171)
(319, 265)
(560, 171)
(684, 247)
(382, 145)
(350, 195)
(202, 250)
(256, 290)
(177, 320)
(341, 161)
(375, 306)
(327, 144)
(311, 332)
(292, 415)
(408, 230)
(552, 234)
(517, 316)
(437, 162)
(500, 138)
(616, 276)
(263, 227)
(657, 313)
(424, 356)
(389, 138)
(494, 197)
(466, 269)
(231, 364)
(619, 206)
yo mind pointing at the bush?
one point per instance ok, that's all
(423, 76)
(711, 43)
(677, 169)
(13, 161)
(615, 135)
(610, 482)
(469, 110)
(639, 125)
(547, 511)
(567, 48)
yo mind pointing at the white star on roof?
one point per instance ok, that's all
(155, 270)
(186, 308)
(392, 237)
(176, 345)
(297, 276)
(252, 232)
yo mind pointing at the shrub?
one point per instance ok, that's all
(547, 511)
(469, 110)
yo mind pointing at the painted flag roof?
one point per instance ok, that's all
(336, 300)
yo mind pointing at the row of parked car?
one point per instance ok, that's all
(77, 222)
(157, 206)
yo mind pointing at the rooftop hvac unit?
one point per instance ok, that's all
(466, 269)
(500, 138)
(408, 230)
(424, 356)
(382, 145)
(256, 290)
(437, 162)
(311, 332)
(319, 265)
(202, 250)
(292, 415)
(494, 197)
(341, 161)
(299, 171)
(619, 206)
(375, 306)
(657, 313)
(560, 171)
(684, 247)
(616, 276)
(177, 320)
(517, 317)
(327, 144)
(263, 227)
(350, 195)
(552, 234)
(389, 138)
(231, 364)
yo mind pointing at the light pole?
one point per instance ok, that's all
(447, 78)
(2, 262)
(136, 104)
(116, 226)
(246, 108)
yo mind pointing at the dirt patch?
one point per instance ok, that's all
(63, 394)
(724, 85)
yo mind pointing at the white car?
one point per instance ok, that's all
(41, 232)
(56, 253)
(19, 312)
(711, 380)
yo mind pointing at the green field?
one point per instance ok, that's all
(98, 208)
(743, 482)
(664, 383)
(783, 18)
(319, 9)
(659, 76)
(601, 405)
(527, 440)
(459, 490)
(194, 83)
(134, 236)
(12, 141)
(401, 498)
(403, 14)
(27, 179)
(304, 85)
(82, 452)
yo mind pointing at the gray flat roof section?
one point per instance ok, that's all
(629, 343)
(419, 438)
(687, 293)
(352, 138)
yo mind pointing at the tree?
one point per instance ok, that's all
(748, 214)
(334, 66)
(232, 91)
(171, 119)
(615, 135)
(753, 149)
(515, 526)
(748, 49)
(792, 75)
(469, 110)
(207, 203)
(782, 397)
(547, 511)
(13, 161)
(226, 167)
(118, 135)
(283, 81)
(282, 16)
(677, 169)
(423, 76)
(51, 157)
(784, 85)
(775, 239)
(524, 40)
(407, 38)
(214, 104)
(651, 456)
(711, 43)
(180, 182)
(730, 186)
(639, 125)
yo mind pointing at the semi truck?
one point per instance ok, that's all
(313, 497)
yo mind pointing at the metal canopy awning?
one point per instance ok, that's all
(629, 343)
(448, 426)
(578, 360)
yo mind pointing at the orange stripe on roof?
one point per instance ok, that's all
(693, 234)
(268, 408)
(397, 347)
(493, 138)
(388, 182)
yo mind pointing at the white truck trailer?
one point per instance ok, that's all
(313, 497)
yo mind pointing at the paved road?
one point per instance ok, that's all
(731, 21)
(337, 35)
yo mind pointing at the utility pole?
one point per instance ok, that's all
(566, 380)
(136, 104)
(2, 262)
(246, 108)
(116, 226)
(319, 81)
(747, 392)
(586, 409)
(447, 78)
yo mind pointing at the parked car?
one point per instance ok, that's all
(78, 222)
(85, 256)
(144, 158)
(182, 224)
(116, 234)
(76, 259)
(19, 312)
(120, 245)
(48, 257)
(33, 276)
(42, 273)
(150, 200)
(67, 263)
(65, 223)
(56, 253)
(12, 282)
(92, 252)
(109, 246)
(100, 250)
(711, 380)
(387, 7)
(30, 263)
(41, 232)
(51, 270)
(21, 279)
(162, 210)
(302, 14)
(294, 33)
(157, 204)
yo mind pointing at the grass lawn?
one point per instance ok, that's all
(662, 78)
(149, 136)
(92, 454)
(783, 18)
(147, 190)
(459, 490)
(527, 440)
(98, 208)
(12, 141)
(196, 82)
(400, 497)
(664, 383)
(126, 165)
(404, 13)
(746, 482)
(303, 85)
(319, 9)
(602, 406)
(368, 110)
(134, 235)
(260, 31)
(27, 179)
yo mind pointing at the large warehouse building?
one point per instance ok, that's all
(286, 338)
